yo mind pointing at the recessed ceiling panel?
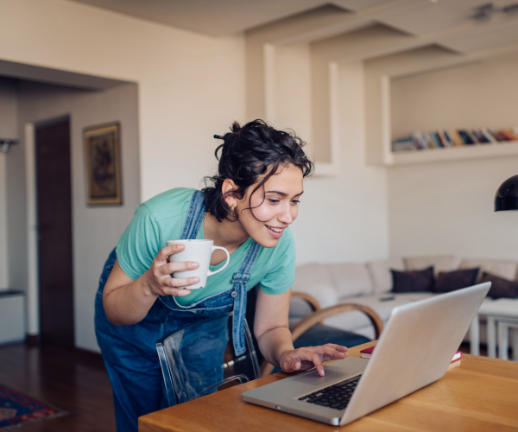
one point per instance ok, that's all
(494, 38)
(360, 5)
(211, 17)
(425, 18)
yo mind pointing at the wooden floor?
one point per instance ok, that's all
(74, 381)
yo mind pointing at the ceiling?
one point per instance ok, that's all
(223, 17)
(444, 22)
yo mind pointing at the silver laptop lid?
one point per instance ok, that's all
(415, 348)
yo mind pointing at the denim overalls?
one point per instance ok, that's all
(129, 352)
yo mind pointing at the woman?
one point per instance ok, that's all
(248, 210)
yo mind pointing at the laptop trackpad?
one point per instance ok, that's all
(314, 378)
(335, 372)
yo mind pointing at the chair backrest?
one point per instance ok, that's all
(198, 359)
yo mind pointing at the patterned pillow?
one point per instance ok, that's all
(412, 281)
(500, 287)
(454, 280)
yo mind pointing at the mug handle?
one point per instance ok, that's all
(210, 273)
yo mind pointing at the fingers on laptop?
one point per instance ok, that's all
(331, 352)
(306, 358)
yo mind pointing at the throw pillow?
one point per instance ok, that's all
(500, 287)
(454, 280)
(412, 281)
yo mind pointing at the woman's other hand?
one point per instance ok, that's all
(302, 359)
(158, 277)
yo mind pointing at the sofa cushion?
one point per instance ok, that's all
(504, 269)
(313, 279)
(440, 263)
(454, 280)
(380, 273)
(412, 281)
(500, 287)
(350, 279)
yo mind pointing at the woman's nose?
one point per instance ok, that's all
(286, 215)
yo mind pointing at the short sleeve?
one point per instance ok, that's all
(140, 243)
(281, 276)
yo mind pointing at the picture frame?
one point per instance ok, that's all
(103, 164)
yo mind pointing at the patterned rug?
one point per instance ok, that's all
(17, 409)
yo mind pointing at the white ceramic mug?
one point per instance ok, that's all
(199, 251)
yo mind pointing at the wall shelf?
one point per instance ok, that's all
(475, 151)
(379, 80)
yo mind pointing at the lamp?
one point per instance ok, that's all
(506, 197)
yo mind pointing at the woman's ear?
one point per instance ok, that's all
(227, 190)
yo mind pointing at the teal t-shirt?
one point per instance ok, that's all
(162, 218)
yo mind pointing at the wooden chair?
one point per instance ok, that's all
(317, 317)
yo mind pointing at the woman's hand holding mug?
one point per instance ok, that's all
(181, 266)
(159, 277)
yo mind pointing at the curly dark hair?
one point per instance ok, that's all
(247, 153)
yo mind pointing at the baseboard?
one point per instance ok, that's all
(11, 342)
(32, 340)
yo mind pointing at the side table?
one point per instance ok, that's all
(503, 337)
(495, 311)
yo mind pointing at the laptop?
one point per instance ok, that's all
(414, 350)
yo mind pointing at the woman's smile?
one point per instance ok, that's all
(276, 232)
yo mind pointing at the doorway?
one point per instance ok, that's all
(54, 228)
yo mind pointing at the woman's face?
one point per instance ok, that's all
(275, 206)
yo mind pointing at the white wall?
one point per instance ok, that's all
(448, 207)
(344, 217)
(96, 230)
(483, 94)
(8, 130)
(190, 86)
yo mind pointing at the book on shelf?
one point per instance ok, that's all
(511, 133)
(447, 138)
(466, 138)
(367, 353)
(454, 138)
(489, 136)
(404, 144)
(480, 137)
(457, 138)
(435, 140)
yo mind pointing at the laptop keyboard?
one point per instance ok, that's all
(336, 396)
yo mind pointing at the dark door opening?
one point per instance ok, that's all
(54, 211)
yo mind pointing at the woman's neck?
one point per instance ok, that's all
(228, 234)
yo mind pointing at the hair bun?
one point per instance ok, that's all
(235, 128)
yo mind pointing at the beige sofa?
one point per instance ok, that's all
(369, 283)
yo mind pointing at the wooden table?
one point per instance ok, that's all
(476, 394)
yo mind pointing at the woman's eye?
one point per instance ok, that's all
(295, 202)
(273, 201)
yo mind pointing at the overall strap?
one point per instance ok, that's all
(240, 280)
(190, 230)
(195, 216)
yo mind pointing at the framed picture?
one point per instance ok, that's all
(103, 164)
